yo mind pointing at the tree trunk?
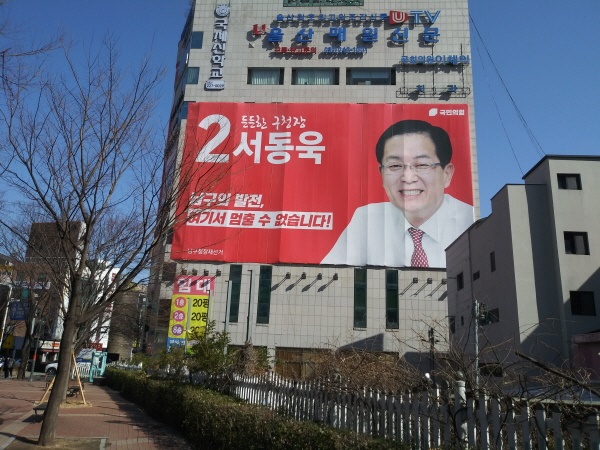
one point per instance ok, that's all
(61, 381)
(25, 350)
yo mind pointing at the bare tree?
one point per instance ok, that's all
(32, 297)
(82, 153)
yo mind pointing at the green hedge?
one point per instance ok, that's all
(211, 420)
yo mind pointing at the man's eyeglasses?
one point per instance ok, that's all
(398, 168)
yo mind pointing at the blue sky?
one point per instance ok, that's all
(546, 55)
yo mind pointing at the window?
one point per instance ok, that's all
(374, 76)
(197, 38)
(576, 243)
(235, 284)
(264, 294)
(315, 76)
(360, 298)
(491, 316)
(476, 275)
(571, 181)
(493, 261)
(491, 369)
(391, 299)
(582, 303)
(183, 112)
(265, 75)
(460, 282)
(192, 75)
(452, 324)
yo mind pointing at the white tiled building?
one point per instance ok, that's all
(534, 265)
(297, 306)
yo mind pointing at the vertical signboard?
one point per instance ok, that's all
(189, 309)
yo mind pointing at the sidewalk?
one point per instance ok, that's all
(110, 421)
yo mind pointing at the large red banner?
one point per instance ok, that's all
(301, 182)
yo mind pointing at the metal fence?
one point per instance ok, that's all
(431, 418)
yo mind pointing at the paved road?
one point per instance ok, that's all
(107, 421)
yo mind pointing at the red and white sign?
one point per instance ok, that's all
(396, 17)
(289, 177)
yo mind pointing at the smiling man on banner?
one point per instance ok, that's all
(419, 221)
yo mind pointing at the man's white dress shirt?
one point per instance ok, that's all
(378, 235)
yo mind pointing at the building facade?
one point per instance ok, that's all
(532, 266)
(334, 76)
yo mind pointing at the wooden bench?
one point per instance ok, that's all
(40, 408)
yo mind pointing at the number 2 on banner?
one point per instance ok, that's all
(205, 154)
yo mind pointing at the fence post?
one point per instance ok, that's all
(484, 424)
(511, 435)
(555, 425)
(540, 426)
(460, 405)
(591, 427)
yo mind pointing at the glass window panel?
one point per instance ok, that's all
(262, 76)
(192, 75)
(370, 76)
(264, 294)
(235, 277)
(314, 76)
(391, 299)
(197, 38)
(360, 298)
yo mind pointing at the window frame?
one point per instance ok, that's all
(263, 307)
(578, 305)
(392, 317)
(194, 39)
(360, 297)
(194, 73)
(335, 78)
(569, 181)
(355, 80)
(280, 73)
(460, 282)
(235, 284)
(576, 243)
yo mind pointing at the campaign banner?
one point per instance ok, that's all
(189, 308)
(312, 183)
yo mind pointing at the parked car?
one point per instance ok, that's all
(51, 369)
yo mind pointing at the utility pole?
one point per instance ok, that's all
(476, 338)
(248, 334)
(432, 341)
(227, 309)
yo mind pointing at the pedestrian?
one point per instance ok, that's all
(11, 363)
(6, 367)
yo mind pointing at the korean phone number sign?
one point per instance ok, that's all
(189, 307)
(289, 177)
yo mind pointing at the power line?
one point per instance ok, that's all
(529, 131)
